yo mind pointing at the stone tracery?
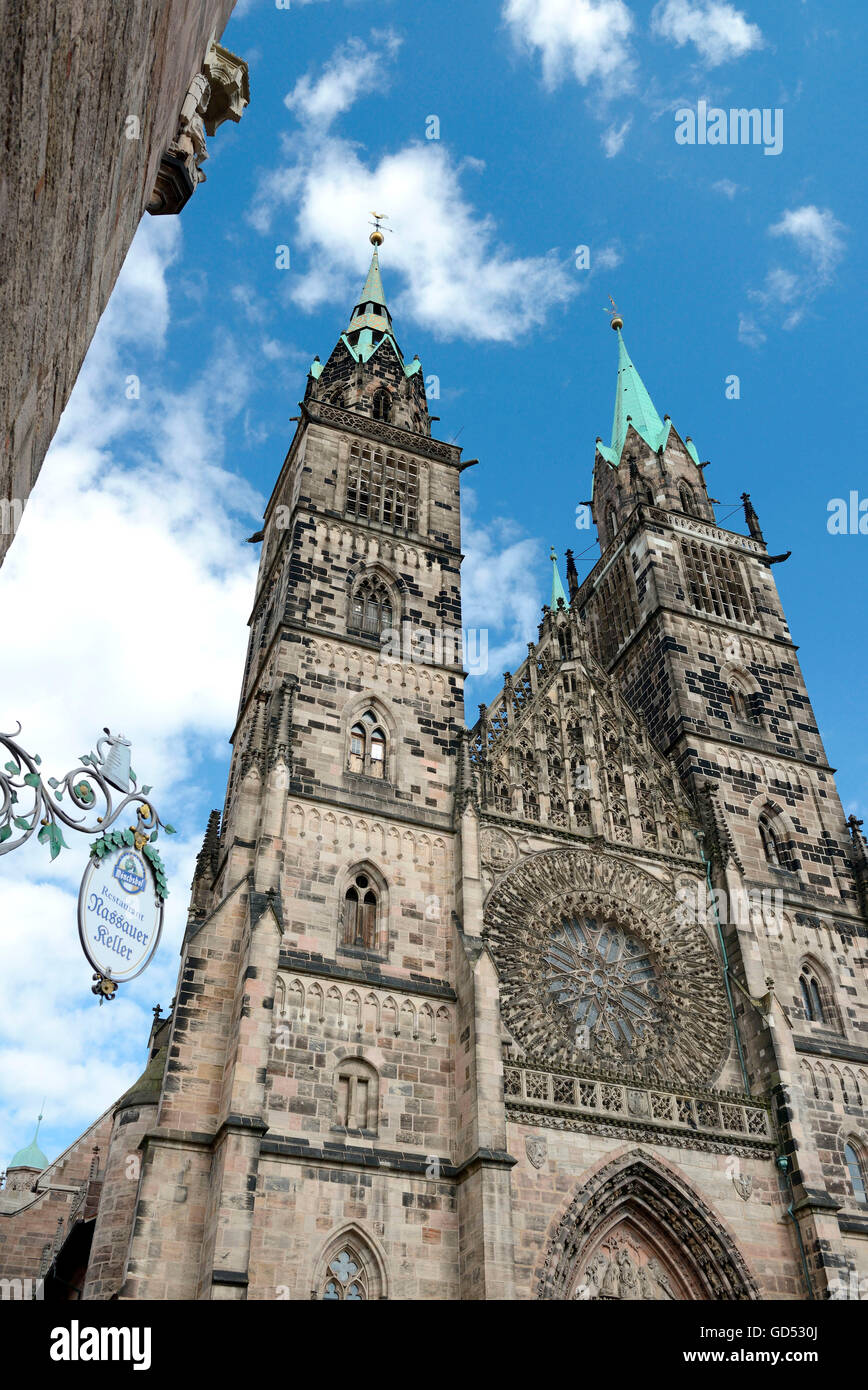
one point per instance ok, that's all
(599, 973)
(636, 1230)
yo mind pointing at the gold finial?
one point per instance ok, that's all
(376, 237)
(617, 321)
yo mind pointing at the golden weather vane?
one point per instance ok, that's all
(614, 315)
(376, 237)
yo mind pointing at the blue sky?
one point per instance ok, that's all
(556, 130)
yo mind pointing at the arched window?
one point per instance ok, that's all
(357, 1095)
(360, 921)
(502, 800)
(351, 1271)
(771, 843)
(854, 1161)
(688, 501)
(368, 747)
(381, 407)
(737, 700)
(345, 1279)
(812, 1001)
(372, 611)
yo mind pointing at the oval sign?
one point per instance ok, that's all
(120, 914)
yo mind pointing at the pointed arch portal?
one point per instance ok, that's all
(636, 1231)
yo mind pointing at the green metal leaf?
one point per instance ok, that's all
(169, 829)
(56, 840)
(22, 822)
(5, 832)
(32, 779)
(13, 768)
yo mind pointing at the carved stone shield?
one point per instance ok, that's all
(536, 1150)
(743, 1186)
(637, 1102)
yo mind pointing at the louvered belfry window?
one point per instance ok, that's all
(714, 582)
(383, 488)
(372, 611)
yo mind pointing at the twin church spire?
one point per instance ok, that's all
(634, 406)
(366, 371)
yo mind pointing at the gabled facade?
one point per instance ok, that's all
(490, 1013)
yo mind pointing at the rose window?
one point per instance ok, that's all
(600, 975)
(605, 981)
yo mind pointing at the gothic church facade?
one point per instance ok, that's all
(566, 1005)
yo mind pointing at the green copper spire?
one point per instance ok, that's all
(31, 1156)
(557, 586)
(634, 406)
(371, 321)
(632, 400)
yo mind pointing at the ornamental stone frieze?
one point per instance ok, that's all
(386, 434)
(720, 1121)
(218, 93)
(602, 975)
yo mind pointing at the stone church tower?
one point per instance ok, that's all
(567, 1005)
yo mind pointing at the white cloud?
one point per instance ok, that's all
(725, 187)
(352, 70)
(245, 7)
(749, 331)
(613, 139)
(497, 592)
(588, 38)
(719, 31)
(787, 291)
(458, 280)
(607, 258)
(125, 597)
(816, 232)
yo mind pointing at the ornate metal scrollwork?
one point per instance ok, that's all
(89, 786)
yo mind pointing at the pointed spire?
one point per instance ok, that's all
(557, 587)
(280, 747)
(751, 518)
(210, 851)
(572, 575)
(206, 867)
(31, 1156)
(371, 304)
(371, 321)
(634, 406)
(252, 755)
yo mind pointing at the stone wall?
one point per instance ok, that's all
(43, 1215)
(74, 188)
